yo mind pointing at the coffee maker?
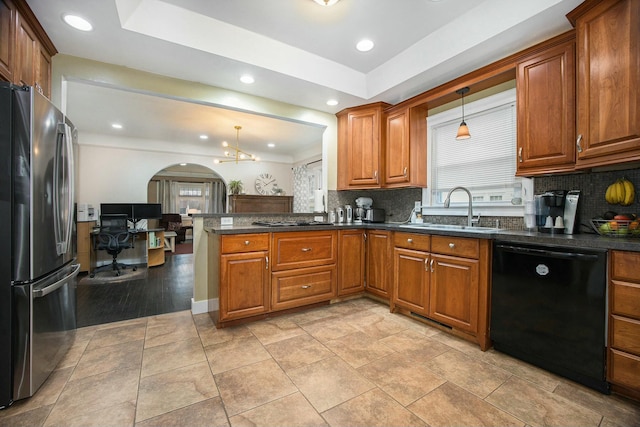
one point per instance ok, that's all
(557, 211)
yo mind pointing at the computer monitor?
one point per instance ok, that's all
(147, 211)
(117, 208)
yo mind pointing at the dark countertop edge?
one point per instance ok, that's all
(583, 240)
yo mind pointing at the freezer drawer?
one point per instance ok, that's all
(44, 330)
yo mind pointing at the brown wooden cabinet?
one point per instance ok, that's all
(351, 261)
(624, 323)
(303, 268)
(608, 94)
(411, 272)
(446, 279)
(7, 39)
(360, 146)
(85, 252)
(244, 276)
(405, 161)
(545, 85)
(379, 256)
(250, 203)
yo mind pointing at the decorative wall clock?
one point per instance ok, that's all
(265, 183)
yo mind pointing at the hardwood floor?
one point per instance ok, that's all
(166, 289)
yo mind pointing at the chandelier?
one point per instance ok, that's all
(235, 154)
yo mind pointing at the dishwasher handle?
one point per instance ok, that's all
(547, 253)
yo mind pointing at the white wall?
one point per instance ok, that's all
(118, 170)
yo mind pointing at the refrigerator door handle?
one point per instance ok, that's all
(63, 227)
(39, 293)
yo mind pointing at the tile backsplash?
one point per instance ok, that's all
(398, 202)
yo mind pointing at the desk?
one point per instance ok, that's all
(170, 241)
(148, 249)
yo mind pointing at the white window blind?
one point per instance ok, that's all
(486, 163)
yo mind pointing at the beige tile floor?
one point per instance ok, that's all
(348, 364)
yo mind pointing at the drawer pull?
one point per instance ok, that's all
(452, 245)
(305, 286)
(267, 263)
(306, 249)
(246, 242)
(410, 240)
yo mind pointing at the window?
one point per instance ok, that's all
(192, 197)
(485, 164)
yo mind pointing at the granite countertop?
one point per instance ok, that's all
(583, 240)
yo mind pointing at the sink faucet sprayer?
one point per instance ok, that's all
(470, 220)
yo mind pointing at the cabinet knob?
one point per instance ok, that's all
(305, 286)
(306, 249)
(246, 242)
(410, 240)
(452, 245)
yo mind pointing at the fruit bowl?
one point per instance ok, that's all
(616, 228)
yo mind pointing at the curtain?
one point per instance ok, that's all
(302, 194)
(215, 196)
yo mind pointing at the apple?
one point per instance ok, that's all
(605, 228)
(623, 217)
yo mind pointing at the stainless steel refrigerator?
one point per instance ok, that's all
(38, 272)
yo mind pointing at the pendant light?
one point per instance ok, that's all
(237, 155)
(463, 130)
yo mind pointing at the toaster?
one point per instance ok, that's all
(374, 215)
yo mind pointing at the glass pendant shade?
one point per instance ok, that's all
(463, 131)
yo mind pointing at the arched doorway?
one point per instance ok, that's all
(188, 188)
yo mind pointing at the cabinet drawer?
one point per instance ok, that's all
(625, 334)
(239, 243)
(303, 249)
(457, 246)
(419, 242)
(624, 369)
(303, 286)
(624, 266)
(625, 299)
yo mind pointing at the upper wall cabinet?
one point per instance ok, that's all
(608, 89)
(378, 148)
(360, 143)
(545, 85)
(406, 147)
(25, 49)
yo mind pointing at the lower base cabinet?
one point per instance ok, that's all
(244, 280)
(623, 366)
(293, 288)
(351, 261)
(379, 255)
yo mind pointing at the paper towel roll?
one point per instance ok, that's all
(318, 201)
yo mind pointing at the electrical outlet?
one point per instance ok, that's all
(318, 218)
(226, 220)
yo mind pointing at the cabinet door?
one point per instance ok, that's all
(244, 289)
(7, 39)
(454, 292)
(397, 149)
(546, 112)
(351, 261)
(27, 46)
(411, 280)
(378, 263)
(42, 73)
(608, 46)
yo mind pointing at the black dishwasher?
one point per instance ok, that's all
(548, 308)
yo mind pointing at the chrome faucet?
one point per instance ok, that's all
(470, 219)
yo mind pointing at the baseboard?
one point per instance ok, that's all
(204, 306)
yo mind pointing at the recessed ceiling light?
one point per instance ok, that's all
(183, 164)
(116, 126)
(326, 2)
(246, 78)
(332, 102)
(271, 145)
(364, 45)
(77, 22)
(204, 137)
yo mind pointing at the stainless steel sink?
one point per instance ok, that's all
(427, 226)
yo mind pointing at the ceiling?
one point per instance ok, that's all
(299, 53)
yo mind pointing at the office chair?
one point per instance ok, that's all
(113, 237)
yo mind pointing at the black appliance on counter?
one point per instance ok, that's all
(37, 241)
(548, 308)
(557, 211)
